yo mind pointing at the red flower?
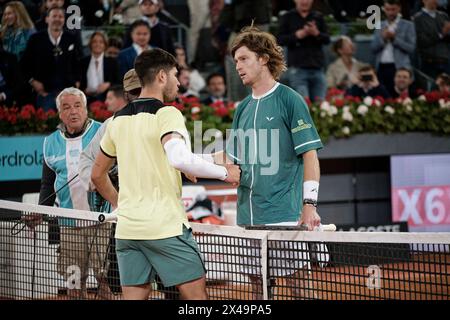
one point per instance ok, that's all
(190, 100)
(231, 105)
(195, 104)
(12, 118)
(25, 114)
(222, 112)
(338, 102)
(381, 99)
(333, 92)
(217, 104)
(51, 113)
(40, 114)
(433, 96)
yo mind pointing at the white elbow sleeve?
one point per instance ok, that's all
(182, 159)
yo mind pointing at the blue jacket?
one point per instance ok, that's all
(126, 60)
(404, 43)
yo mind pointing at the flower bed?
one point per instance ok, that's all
(338, 116)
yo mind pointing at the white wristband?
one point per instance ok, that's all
(311, 190)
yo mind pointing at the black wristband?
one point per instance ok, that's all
(310, 201)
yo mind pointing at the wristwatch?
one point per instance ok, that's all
(310, 202)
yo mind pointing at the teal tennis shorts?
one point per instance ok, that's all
(176, 260)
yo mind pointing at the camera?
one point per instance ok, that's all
(366, 77)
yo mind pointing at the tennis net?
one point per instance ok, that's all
(71, 255)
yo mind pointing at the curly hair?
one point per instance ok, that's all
(263, 44)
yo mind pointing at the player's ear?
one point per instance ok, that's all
(162, 75)
(264, 59)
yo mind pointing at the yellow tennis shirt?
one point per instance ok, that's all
(150, 205)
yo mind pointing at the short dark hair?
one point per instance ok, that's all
(115, 42)
(405, 69)
(393, 2)
(56, 8)
(366, 67)
(150, 62)
(213, 75)
(139, 23)
(117, 90)
(340, 43)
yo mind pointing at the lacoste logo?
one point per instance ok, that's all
(269, 119)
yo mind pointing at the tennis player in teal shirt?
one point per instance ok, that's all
(275, 142)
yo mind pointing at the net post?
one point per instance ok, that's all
(264, 265)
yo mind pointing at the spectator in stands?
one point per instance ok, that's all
(304, 32)
(51, 60)
(161, 34)
(200, 18)
(140, 34)
(115, 98)
(98, 72)
(368, 84)
(216, 89)
(9, 75)
(16, 28)
(433, 39)
(443, 83)
(236, 15)
(393, 44)
(41, 24)
(403, 84)
(196, 81)
(343, 72)
(184, 75)
(62, 150)
(114, 47)
(129, 9)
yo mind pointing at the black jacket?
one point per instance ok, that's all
(9, 70)
(307, 52)
(56, 67)
(160, 37)
(356, 91)
(110, 71)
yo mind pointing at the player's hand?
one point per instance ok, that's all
(309, 217)
(191, 178)
(32, 220)
(234, 174)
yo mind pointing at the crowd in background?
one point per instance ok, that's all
(40, 54)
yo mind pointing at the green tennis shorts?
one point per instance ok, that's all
(176, 260)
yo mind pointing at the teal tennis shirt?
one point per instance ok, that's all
(268, 136)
